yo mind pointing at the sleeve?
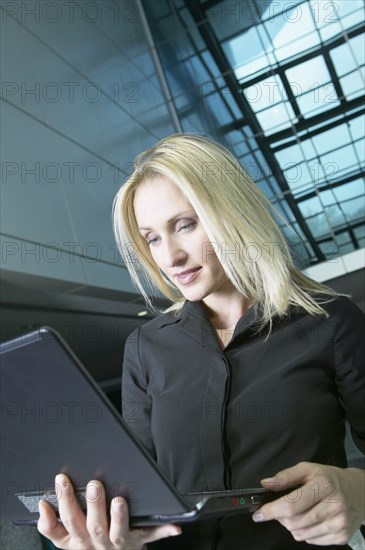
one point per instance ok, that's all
(136, 403)
(349, 334)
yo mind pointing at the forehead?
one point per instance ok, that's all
(158, 200)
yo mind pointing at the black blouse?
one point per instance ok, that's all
(224, 419)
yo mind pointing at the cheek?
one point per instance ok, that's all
(214, 265)
(203, 249)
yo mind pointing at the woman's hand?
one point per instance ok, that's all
(80, 532)
(328, 508)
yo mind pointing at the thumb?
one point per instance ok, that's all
(48, 524)
(290, 477)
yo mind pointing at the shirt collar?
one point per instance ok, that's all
(193, 319)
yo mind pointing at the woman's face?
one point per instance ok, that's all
(178, 242)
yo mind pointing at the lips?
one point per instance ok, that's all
(186, 277)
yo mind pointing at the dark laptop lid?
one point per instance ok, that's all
(54, 418)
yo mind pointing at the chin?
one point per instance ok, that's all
(197, 291)
(194, 295)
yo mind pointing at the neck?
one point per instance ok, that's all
(224, 311)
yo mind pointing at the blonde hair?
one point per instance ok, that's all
(237, 218)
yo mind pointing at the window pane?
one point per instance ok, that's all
(343, 238)
(285, 10)
(310, 207)
(354, 209)
(308, 149)
(275, 118)
(231, 102)
(308, 75)
(297, 34)
(216, 105)
(360, 232)
(318, 225)
(320, 173)
(265, 93)
(256, 65)
(290, 155)
(343, 59)
(331, 138)
(207, 56)
(360, 150)
(298, 232)
(318, 100)
(357, 127)
(328, 198)
(349, 190)
(299, 177)
(329, 249)
(328, 15)
(345, 248)
(357, 45)
(246, 53)
(352, 85)
(240, 149)
(341, 159)
(335, 216)
(233, 137)
(228, 18)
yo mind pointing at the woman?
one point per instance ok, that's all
(248, 376)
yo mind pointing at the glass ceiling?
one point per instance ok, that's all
(285, 84)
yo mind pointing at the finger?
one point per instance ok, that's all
(48, 524)
(323, 535)
(290, 477)
(71, 514)
(302, 499)
(119, 521)
(316, 521)
(96, 518)
(157, 533)
(119, 527)
(287, 506)
(321, 523)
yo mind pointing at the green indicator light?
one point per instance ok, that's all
(242, 501)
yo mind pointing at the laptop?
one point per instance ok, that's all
(54, 418)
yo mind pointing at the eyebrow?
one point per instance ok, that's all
(181, 214)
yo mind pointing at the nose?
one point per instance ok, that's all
(172, 253)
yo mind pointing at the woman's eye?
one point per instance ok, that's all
(186, 226)
(151, 240)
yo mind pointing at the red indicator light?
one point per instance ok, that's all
(235, 502)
